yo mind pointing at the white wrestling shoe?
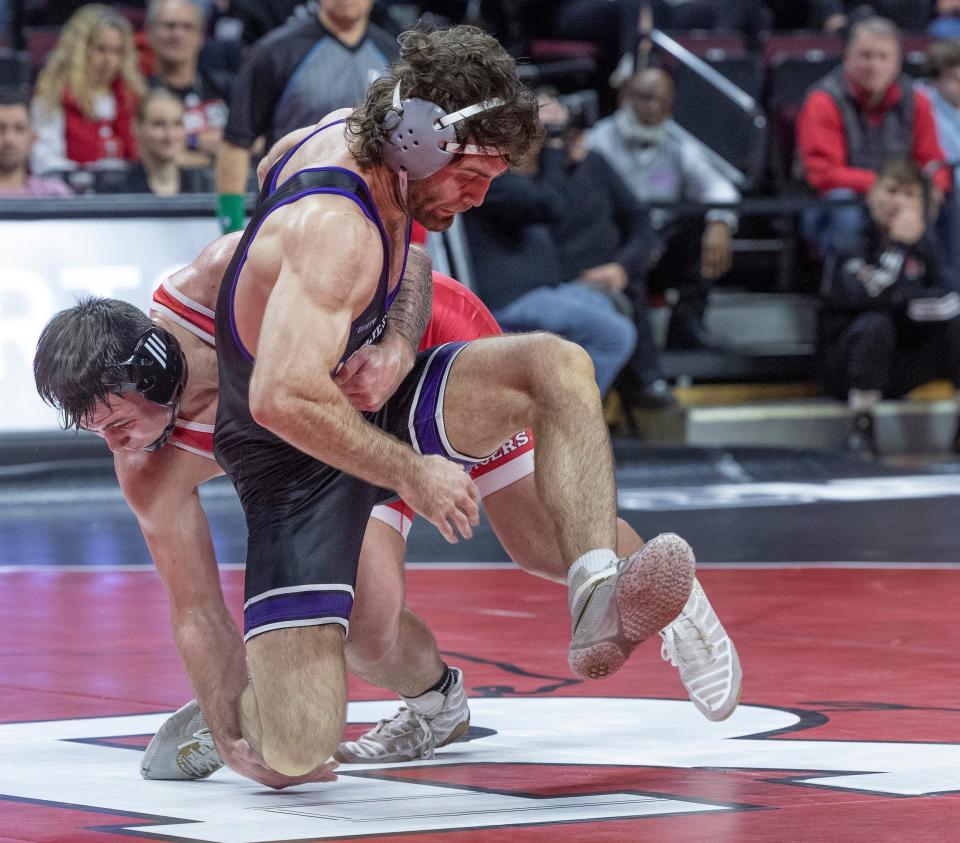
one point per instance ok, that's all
(697, 644)
(616, 609)
(182, 748)
(421, 726)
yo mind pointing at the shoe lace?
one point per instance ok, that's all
(685, 644)
(199, 756)
(404, 721)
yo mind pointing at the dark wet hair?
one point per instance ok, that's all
(453, 68)
(74, 366)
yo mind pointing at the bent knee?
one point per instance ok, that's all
(370, 644)
(301, 750)
(550, 355)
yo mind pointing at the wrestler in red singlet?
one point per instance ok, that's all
(457, 314)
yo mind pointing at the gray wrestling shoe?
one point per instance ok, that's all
(421, 726)
(697, 644)
(182, 748)
(616, 609)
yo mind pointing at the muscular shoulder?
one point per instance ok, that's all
(156, 484)
(328, 245)
(200, 280)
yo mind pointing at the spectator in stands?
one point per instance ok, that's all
(861, 115)
(605, 240)
(16, 139)
(909, 15)
(295, 76)
(891, 316)
(825, 15)
(161, 137)
(175, 29)
(943, 90)
(258, 17)
(641, 143)
(946, 23)
(87, 93)
(519, 269)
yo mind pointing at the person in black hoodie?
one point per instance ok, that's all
(891, 315)
(533, 244)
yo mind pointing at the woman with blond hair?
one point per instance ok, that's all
(87, 93)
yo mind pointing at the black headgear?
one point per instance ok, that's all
(157, 370)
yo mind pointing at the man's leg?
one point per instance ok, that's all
(388, 645)
(499, 385)
(581, 315)
(391, 647)
(695, 642)
(294, 709)
(528, 534)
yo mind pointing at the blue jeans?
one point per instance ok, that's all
(835, 229)
(581, 315)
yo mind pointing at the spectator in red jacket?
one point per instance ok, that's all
(856, 119)
(87, 93)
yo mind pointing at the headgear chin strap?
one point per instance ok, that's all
(157, 370)
(422, 136)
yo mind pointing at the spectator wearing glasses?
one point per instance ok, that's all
(175, 29)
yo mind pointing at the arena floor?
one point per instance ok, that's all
(839, 581)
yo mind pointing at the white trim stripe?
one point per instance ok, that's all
(189, 302)
(186, 324)
(293, 624)
(294, 589)
(502, 476)
(438, 416)
(412, 418)
(186, 424)
(389, 516)
(183, 446)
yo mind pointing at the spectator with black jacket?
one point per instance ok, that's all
(891, 315)
(294, 76)
(533, 281)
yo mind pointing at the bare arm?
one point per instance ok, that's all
(233, 168)
(332, 260)
(161, 489)
(374, 372)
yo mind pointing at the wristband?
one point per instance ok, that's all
(230, 212)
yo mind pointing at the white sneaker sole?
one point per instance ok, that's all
(652, 588)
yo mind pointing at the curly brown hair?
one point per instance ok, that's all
(453, 68)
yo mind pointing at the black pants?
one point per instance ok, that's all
(677, 268)
(879, 352)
